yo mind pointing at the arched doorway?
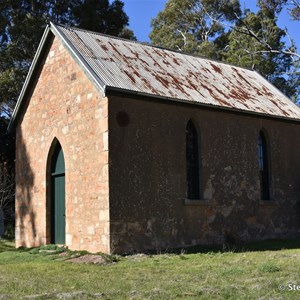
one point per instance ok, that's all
(58, 209)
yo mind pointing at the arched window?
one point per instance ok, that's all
(263, 163)
(192, 161)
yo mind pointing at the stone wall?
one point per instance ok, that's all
(148, 209)
(65, 106)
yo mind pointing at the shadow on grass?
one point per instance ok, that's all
(272, 245)
(266, 245)
(7, 245)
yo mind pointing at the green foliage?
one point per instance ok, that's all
(269, 267)
(7, 245)
(253, 50)
(295, 11)
(7, 183)
(48, 250)
(271, 7)
(219, 30)
(9, 232)
(21, 27)
(101, 16)
(191, 25)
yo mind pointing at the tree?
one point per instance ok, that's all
(186, 25)
(21, 27)
(255, 41)
(251, 44)
(101, 16)
(218, 29)
(7, 183)
(18, 46)
(7, 192)
(295, 11)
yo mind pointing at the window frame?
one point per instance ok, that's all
(192, 162)
(264, 166)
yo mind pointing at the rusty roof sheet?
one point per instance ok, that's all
(131, 66)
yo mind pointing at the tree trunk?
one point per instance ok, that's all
(1, 222)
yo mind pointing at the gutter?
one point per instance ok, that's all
(204, 105)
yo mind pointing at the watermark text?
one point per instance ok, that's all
(290, 287)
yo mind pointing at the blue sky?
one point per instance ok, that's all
(140, 13)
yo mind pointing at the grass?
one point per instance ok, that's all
(43, 273)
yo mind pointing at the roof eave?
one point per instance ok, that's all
(208, 106)
(30, 77)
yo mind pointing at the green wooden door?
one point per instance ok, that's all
(58, 196)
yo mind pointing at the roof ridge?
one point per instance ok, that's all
(71, 28)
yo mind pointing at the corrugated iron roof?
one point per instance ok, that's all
(128, 65)
(124, 65)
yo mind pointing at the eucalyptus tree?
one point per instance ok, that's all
(193, 26)
(295, 10)
(21, 27)
(220, 30)
(256, 41)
